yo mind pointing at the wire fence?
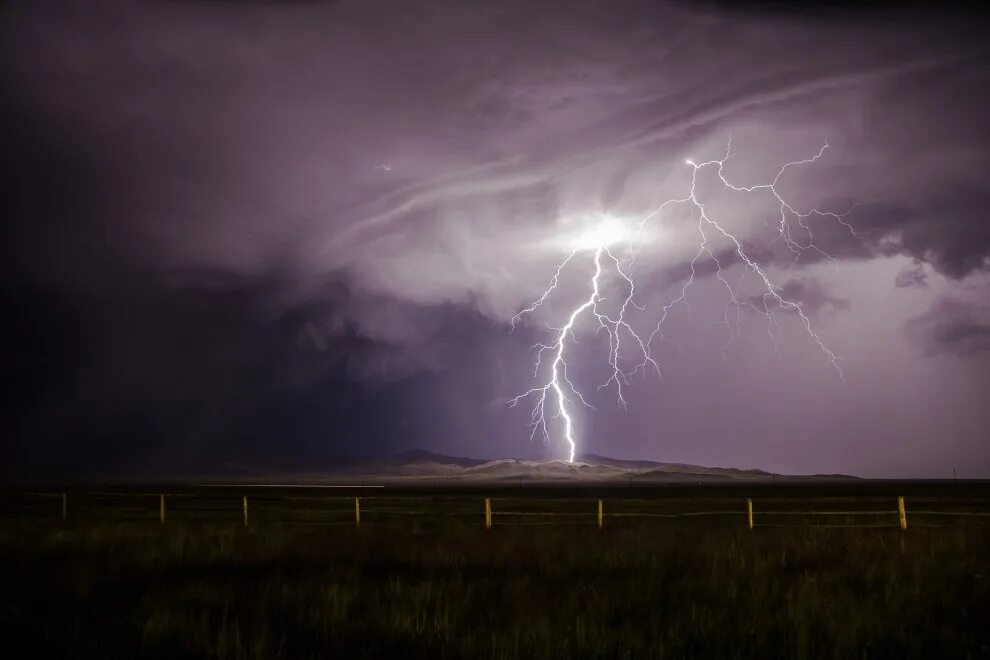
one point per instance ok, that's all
(314, 510)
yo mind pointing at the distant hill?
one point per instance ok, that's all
(419, 466)
(423, 456)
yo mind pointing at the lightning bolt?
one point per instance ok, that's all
(559, 386)
(558, 389)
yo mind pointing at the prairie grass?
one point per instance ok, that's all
(656, 589)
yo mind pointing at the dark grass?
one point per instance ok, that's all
(114, 583)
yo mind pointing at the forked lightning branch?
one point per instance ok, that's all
(556, 395)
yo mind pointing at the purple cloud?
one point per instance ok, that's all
(315, 202)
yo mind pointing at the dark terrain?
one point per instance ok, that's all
(422, 577)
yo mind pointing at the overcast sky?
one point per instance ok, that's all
(277, 233)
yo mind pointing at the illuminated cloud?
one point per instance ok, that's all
(327, 214)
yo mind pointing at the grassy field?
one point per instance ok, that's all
(111, 581)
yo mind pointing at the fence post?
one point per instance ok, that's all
(245, 512)
(600, 514)
(901, 513)
(357, 511)
(488, 513)
(161, 508)
(749, 512)
(65, 506)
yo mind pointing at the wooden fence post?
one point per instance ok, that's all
(357, 511)
(901, 513)
(245, 512)
(65, 506)
(601, 514)
(488, 513)
(749, 512)
(161, 508)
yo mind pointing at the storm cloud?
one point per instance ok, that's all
(298, 230)
(951, 327)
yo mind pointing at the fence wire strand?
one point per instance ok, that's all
(269, 508)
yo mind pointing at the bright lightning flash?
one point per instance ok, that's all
(606, 231)
(559, 391)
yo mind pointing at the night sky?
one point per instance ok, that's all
(270, 235)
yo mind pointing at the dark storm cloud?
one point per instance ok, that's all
(886, 10)
(947, 232)
(155, 381)
(233, 222)
(151, 87)
(950, 231)
(913, 276)
(927, 198)
(953, 327)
